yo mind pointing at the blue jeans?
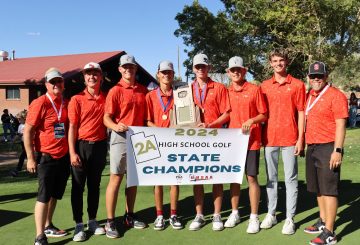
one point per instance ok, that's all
(7, 127)
(352, 114)
(291, 178)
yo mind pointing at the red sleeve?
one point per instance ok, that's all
(34, 114)
(74, 111)
(339, 106)
(300, 98)
(260, 102)
(224, 100)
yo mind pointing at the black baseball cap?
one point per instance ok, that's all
(317, 68)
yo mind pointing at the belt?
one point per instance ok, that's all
(92, 142)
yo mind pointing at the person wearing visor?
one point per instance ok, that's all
(213, 100)
(45, 132)
(326, 112)
(88, 149)
(248, 109)
(160, 103)
(125, 106)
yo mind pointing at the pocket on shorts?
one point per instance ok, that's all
(117, 138)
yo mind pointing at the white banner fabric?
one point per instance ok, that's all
(185, 156)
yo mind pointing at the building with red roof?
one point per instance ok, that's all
(22, 79)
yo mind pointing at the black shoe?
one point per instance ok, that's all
(315, 228)
(41, 240)
(53, 231)
(131, 221)
(325, 238)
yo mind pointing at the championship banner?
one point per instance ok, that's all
(185, 156)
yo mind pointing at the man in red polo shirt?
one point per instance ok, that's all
(160, 103)
(248, 109)
(326, 114)
(284, 96)
(125, 106)
(46, 126)
(213, 100)
(88, 149)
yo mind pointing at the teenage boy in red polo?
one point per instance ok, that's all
(213, 100)
(46, 145)
(284, 96)
(88, 149)
(125, 106)
(326, 114)
(248, 109)
(160, 102)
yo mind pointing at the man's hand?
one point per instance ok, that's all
(202, 125)
(31, 166)
(247, 125)
(335, 160)
(75, 160)
(299, 147)
(120, 127)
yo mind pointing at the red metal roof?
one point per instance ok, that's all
(33, 69)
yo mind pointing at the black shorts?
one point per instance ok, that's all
(52, 175)
(252, 162)
(319, 177)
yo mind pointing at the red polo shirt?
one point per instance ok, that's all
(320, 122)
(246, 103)
(127, 103)
(216, 101)
(155, 110)
(43, 117)
(87, 112)
(283, 102)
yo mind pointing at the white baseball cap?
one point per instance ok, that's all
(52, 73)
(166, 66)
(92, 66)
(200, 59)
(236, 61)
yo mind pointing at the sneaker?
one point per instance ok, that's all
(289, 227)
(175, 222)
(79, 233)
(159, 223)
(325, 238)
(253, 226)
(14, 173)
(53, 231)
(197, 223)
(111, 231)
(315, 228)
(131, 221)
(268, 222)
(41, 240)
(95, 228)
(232, 220)
(217, 223)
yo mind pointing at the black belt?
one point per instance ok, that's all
(92, 142)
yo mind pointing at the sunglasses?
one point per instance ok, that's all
(198, 67)
(318, 76)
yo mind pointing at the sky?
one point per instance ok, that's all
(143, 28)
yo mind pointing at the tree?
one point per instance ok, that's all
(310, 30)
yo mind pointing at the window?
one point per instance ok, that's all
(13, 93)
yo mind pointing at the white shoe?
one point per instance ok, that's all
(159, 223)
(289, 227)
(79, 233)
(95, 228)
(268, 222)
(197, 223)
(253, 226)
(232, 220)
(217, 223)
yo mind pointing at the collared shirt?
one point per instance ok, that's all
(155, 111)
(216, 101)
(126, 104)
(87, 112)
(43, 117)
(320, 121)
(283, 101)
(246, 103)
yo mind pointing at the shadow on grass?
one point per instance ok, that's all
(8, 216)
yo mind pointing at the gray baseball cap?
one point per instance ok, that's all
(166, 66)
(200, 59)
(127, 59)
(236, 61)
(52, 73)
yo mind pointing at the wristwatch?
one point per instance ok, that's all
(339, 150)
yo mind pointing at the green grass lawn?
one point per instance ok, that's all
(17, 198)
